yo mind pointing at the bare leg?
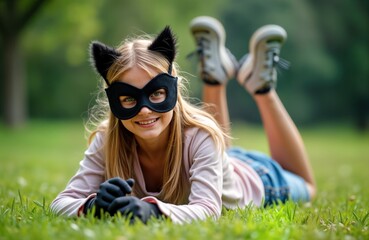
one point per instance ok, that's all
(215, 95)
(217, 66)
(285, 142)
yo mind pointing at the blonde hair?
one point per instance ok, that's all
(119, 142)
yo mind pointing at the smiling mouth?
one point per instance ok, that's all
(147, 122)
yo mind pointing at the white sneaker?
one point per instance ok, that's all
(257, 71)
(217, 64)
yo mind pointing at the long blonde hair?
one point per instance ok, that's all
(119, 142)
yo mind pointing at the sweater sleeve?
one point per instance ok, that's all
(206, 179)
(84, 184)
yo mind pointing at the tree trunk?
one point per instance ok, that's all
(15, 109)
(13, 20)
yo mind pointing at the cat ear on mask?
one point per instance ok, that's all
(102, 57)
(165, 44)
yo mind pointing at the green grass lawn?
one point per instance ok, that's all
(36, 163)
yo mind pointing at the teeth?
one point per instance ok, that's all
(147, 122)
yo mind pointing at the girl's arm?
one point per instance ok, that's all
(84, 184)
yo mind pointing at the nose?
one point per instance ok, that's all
(144, 110)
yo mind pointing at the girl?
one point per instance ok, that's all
(156, 155)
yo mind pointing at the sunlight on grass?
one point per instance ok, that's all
(37, 162)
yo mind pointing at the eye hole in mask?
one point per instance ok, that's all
(159, 95)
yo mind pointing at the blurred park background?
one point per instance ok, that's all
(47, 85)
(46, 74)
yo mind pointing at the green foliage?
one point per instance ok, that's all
(37, 162)
(344, 27)
(312, 70)
(60, 79)
(327, 45)
(63, 28)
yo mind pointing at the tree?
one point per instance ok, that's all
(14, 17)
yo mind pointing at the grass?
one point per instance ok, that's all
(37, 161)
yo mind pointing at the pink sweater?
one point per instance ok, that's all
(215, 180)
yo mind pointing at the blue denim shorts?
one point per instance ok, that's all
(279, 184)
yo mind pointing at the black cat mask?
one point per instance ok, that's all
(104, 56)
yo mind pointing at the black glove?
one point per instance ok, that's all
(108, 191)
(134, 208)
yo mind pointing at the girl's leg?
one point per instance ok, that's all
(258, 75)
(285, 142)
(216, 97)
(216, 64)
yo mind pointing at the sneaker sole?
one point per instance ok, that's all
(268, 33)
(222, 69)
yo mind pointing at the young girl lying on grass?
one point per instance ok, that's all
(156, 155)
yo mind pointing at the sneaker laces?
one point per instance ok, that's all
(273, 61)
(196, 52)
(199, 52)
(273, 58)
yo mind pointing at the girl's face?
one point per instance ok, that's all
(147, 124)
